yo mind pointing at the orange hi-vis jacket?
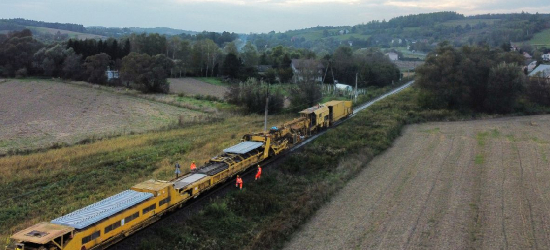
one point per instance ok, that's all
(259, 171)
(193, 166)
(239, 180)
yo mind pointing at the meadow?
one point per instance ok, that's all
(541, 39)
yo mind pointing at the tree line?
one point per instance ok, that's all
(20, 23)
(146, 60)
(479, 79)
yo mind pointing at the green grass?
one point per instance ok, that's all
(318, 34)
(541, 39)
(409, 54)
(481, 138)
(212, 80)
(202, 103)
(471, 22)
(480, 159)
(71, 34)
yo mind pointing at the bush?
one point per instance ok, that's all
(21, 73)
(252, 95)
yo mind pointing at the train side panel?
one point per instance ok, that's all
(339, 110)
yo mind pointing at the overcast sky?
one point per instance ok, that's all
(245, 16)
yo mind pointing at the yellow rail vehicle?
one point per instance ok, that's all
(106, 222)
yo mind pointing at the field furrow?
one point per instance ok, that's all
(452, 185)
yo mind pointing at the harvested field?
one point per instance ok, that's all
(190, 86)
(457, 185)
(37, 114)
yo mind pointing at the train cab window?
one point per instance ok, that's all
(131, 217)
(149, 208)
(90, 237)
(164, 201)
(112, 227)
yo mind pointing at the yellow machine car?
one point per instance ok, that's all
(106, 222)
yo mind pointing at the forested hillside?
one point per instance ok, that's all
(421, 32)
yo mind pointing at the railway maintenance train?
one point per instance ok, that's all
(108, 221)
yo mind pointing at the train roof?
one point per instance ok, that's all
(100, 210)
(243, 147)
(41, 233)
(315, 109)
(332, 103)
(152, 185)
(179, 184)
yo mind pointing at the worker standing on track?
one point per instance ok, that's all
(239, 183)
(259, 173)
(193, 166)
(178, 172)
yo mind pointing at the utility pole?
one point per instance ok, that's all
(356, 87)
(266, 105)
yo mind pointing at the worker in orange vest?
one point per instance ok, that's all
(193, 166)
(259, 173)
(239, 183)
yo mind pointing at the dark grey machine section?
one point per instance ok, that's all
(213, 168)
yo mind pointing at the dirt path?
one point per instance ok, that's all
(462, 185)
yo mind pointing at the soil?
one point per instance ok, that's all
(37, 114)
(191, 86)
(460, 185)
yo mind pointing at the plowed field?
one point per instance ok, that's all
(460, 185)
(36, 114)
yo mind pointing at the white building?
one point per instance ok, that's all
(393, 56)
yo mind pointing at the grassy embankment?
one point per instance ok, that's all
(265, 213)
(42, 186)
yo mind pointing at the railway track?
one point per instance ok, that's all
(194, 205)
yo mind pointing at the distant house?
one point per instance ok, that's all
(307, 70)
(397, 41)
(542, 71)
(393, 56)
(529, 65)
(527, 56)
(111, 74)
(546, 57)
(343, 32)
